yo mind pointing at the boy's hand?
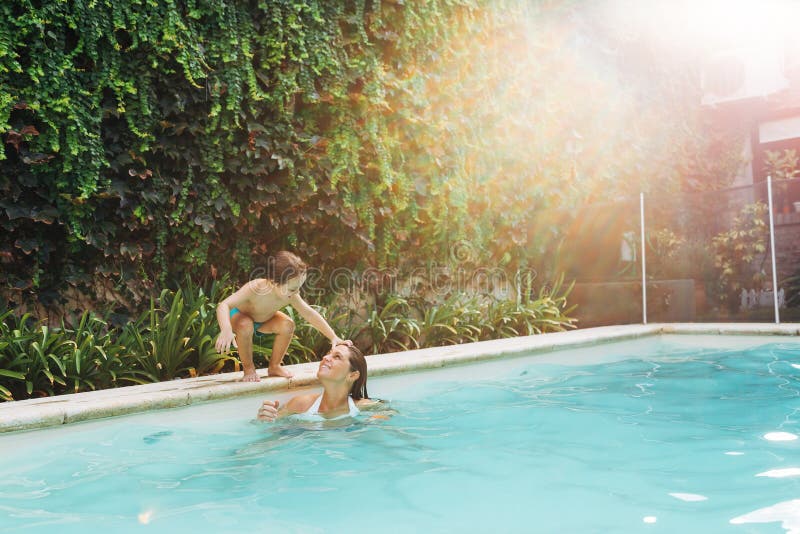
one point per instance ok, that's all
(338, 341)
(224, 341)
(268, 411)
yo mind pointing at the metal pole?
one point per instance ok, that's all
(772, 250)
(644, 263)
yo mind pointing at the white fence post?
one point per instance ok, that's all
(644, 263)
(772, 251)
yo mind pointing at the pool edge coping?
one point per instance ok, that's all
(31, 414)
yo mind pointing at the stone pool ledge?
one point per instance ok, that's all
(63, 409)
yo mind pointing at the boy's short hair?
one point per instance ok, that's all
(283, 266)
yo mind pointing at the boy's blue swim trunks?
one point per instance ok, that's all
(256, 325)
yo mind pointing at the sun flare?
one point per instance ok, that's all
(740, 23)
(703, 27)
(145, 517)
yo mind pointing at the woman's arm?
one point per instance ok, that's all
(377, 408)
(271, 410)
(370, 404)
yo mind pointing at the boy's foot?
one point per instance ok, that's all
(279, 371)
(250, 377)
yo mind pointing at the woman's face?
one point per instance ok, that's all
(335, 366)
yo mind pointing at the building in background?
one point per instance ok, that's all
(754, 90)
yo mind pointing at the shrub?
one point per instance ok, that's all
(175, 337)
(32, 358)
(171, 339)
(737, 251)
(96, 360)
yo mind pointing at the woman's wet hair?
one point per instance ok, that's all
(357, 363)
(283, 266)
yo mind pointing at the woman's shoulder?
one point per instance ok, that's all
(301, 403)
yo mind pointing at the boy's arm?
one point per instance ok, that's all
(315, 319)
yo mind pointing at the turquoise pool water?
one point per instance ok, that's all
(665, 434)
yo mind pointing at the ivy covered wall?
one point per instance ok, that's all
(147, 140)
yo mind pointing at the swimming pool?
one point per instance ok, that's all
(665, 433)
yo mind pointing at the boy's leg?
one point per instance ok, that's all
(283, 326)
(243, 328)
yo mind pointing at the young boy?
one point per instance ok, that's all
(254, 308)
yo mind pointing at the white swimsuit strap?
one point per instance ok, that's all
(314, 410)
(351, 405)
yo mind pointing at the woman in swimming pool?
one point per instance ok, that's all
(343, 375)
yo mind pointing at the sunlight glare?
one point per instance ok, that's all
(704, 26)
(145, 517)
(740, 23)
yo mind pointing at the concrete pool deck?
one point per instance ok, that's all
(63, 409)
